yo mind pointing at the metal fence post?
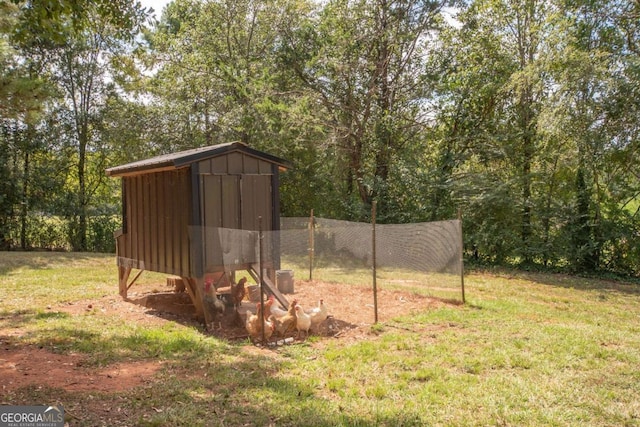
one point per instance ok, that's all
(373, 256)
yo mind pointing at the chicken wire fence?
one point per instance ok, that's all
(424, 257)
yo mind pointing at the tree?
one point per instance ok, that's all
(66, 42)
(363, 61)
(217, 77)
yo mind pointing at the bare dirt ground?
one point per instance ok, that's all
(351, 315)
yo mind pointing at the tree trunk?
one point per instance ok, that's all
(82, 193)
(24, 208)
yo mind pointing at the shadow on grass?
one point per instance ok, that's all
(220, 385)
(38, 260)
(204, 381)
(563, 280)
(20, 318)
(583, 283)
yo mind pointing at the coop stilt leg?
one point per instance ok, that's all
(123, 276)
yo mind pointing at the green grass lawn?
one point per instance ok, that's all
(526, 350)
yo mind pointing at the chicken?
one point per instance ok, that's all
(287, 323)
(274, 309)
(238, 292)
(270, 327)
(212, 305)
(303, 321)
(253, 324)
(318, 314)
(268, 305)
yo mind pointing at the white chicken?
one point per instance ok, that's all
(318, 314)
(274, 309)
(303, 321)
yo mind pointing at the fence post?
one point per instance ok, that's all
(311, 245)
(261, 277)
(461, 253)
(373, 262)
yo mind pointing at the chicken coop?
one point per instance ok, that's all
(171, 204)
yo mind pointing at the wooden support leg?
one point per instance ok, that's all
(254, 272)
(195, 289)
(123, 276)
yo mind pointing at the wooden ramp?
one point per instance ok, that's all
(270, 287)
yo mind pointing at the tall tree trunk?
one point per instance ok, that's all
(82, 195)
(582, 233)
(24, 208)
(6, 189)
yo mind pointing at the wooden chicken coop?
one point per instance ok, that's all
(174, 206)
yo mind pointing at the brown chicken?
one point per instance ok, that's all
(253, 324)
(238, 292)
(287, 323)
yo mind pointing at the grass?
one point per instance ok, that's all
(349, 271)
(526, 350)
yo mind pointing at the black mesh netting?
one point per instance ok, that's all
(430, 252)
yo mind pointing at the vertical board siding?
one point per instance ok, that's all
(183, 223)
(234, 163)
(211, 197)
(230, 201)
(219, 165)
(134, 218)
(256, 202)
(251, 165)
(160, 214)
(168, 222)
(265, 168)
(147, 220)
(176, 225)
(126, 247)
(153, 221)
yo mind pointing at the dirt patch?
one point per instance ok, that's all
(22, 365)
(351, 311)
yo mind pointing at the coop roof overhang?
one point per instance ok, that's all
(185, 158)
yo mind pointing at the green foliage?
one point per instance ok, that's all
(524, 115)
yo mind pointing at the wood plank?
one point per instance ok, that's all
(139, 204)
(161, 226)
(195, 289)
(231, 202)
(254, 272)
(147, 213)
(133, 218)
(134, 279)
(123, 276)
(189, 205)
(234, 160)
(219, 165)
(251, 165)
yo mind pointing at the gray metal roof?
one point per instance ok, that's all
(185, 158)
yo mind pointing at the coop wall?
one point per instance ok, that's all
(156, 215)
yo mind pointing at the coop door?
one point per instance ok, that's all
(256, 202)
(220, 209)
